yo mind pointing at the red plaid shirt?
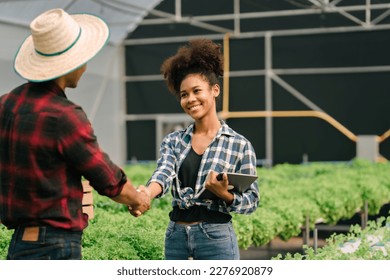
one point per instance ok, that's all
(46, 145)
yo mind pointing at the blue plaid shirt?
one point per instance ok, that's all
(228, 152)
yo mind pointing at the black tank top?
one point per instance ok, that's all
(188, 173)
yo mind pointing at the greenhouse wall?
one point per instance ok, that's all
(300, 64)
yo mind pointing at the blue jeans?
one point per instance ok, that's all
(51, 244)
(203, 241)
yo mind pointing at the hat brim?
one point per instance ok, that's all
(38, 68)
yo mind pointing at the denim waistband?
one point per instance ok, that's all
(46, 232)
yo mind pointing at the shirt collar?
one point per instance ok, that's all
(223, 130)
(51, 86)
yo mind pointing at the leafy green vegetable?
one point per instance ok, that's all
(290, 194)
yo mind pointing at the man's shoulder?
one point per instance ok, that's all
(17, 89)
(64, 103)
(2, 97)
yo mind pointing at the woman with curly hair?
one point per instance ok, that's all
(200, 224)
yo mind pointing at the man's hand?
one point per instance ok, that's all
(141, 202)
(137, 200)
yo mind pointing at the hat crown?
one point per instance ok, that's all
(59, 44)
(54, 32)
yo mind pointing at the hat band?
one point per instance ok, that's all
(61, 52)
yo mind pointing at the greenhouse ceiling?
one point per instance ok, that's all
(238, 17)
(122, 16)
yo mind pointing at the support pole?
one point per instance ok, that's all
(315, 237)
(306, 233)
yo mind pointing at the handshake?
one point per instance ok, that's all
(137, 199)
(141, 202)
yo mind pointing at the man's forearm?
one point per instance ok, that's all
(128, 194)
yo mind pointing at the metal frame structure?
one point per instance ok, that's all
(102, 88)
(269, 73)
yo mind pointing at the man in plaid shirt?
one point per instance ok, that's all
(47, 143)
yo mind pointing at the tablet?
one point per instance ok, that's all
(238, 182)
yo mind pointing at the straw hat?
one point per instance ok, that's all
(59, 43)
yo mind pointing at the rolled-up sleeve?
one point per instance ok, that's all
(165, 171)
(248, 201)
